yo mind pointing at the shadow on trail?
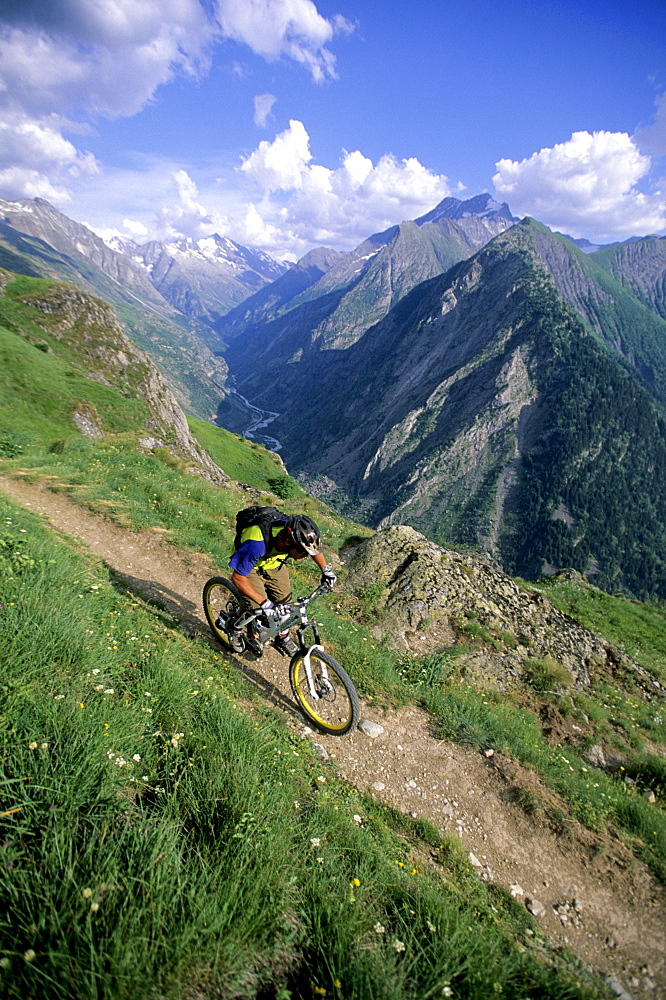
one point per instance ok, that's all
(179, 611)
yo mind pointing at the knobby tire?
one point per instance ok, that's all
(220, 596)
(337, 711)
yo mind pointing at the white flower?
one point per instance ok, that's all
(315, 841)
(32, 746)
(357, 818)
(29, 955)
(379, 928)
(398, 945)
(94, 907)
(321, 778)
(137, 757)
(87, 893)
(96, 670)
(109, 691)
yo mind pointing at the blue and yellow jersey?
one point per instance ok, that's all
(251, 553)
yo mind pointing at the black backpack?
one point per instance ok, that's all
(263, 517)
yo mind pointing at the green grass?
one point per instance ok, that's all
(244, 460)
(636, 627)
(157, 840)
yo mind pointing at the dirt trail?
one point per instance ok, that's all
(618, 924)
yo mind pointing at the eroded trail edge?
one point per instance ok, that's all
(597, 899)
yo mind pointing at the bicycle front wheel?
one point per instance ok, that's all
(221, 605)
(332, 703)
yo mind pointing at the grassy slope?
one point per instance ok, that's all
(152, 841)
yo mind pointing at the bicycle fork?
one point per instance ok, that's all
(307, 653)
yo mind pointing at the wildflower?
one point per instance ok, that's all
(338, 984)
(447, 991)
(355, 882)
(431, 927)
(379, 928)
(320, 990)
(44, 746)
(136, 757)
(4, 962)
(32, 746)
(29, 955)
(321, 778)
(357, 818)
(94, 907)
(398, 945)
(87, 893)
(96, 670)
(109, 691)
(320, 861)
(315, 841)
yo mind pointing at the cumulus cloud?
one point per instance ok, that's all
(343, 206)
(291, 28)
(585, 186)
(65, 61)
(263, 105)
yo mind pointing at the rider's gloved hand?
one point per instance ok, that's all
(268, 608)
(328, 577)
(280, 611)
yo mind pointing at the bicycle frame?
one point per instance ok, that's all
(298, 614)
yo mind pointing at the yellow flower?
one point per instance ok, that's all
(355, 882)
(29, 955)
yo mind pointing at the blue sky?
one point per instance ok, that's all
(287, 123)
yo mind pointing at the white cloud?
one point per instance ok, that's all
(91, 59)
(291, 28)
(281, 164)
(184, 215)
(585, 186)
(263, 105)
(339, 207)
(37, 161)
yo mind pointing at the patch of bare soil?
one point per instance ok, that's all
(595, 898)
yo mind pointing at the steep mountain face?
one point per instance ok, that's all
(87, 335)
(204, 278)
(79, 246)
(267, 303)
(639, 265)
(37, 240)
(360, 287)
(484, 410)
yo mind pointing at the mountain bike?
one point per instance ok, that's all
(322, 688)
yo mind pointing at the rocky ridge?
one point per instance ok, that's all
(110, 357)
(430, 593)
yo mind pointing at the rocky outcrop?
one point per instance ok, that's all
(425, 591)
(110, 357)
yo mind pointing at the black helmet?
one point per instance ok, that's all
(302, 530)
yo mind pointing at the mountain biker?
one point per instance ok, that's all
(260, 573)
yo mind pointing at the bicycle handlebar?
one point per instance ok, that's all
(300, 602)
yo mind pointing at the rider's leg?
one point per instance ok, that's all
(278, 588)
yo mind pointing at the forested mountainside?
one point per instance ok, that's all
(511, 403)
(641, 266)
(357, 289)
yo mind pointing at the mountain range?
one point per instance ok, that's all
(485, 380)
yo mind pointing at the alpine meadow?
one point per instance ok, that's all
(472, 408)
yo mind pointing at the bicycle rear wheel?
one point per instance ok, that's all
(221, 604)
(336, 708)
